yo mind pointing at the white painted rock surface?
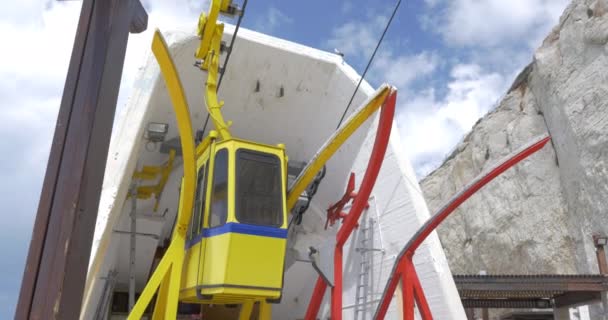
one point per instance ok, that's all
(539, 216)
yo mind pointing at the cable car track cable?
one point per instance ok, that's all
(371, 59)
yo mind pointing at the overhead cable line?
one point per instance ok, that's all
(224, 66)
(369, 63)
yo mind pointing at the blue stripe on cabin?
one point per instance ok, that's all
(234, 227)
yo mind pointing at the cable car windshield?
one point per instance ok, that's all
(259, 192)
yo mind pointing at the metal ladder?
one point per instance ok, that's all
(364, 278)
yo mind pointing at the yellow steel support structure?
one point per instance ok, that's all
(182, 113)
(265, 311)
(166, 279)
(150, 173)
(246, 309)
(206, 26)
(211, 64)
(168, 273)
(200, 149)
(334, 143)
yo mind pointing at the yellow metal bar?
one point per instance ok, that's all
(166, 170)
(157, 276)
(200, 149)
(150, 173)
(212, 63)
(208, 51)
(334, 143)
(225, 5)
(170, 267)
(207, 22)
(265, 311)
(246, 308)
(169, 279)
(206, 28)
(147, 173)
(182, 113)
(177, 257)
(161, 298)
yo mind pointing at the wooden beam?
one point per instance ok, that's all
(573, 299)
(60, 247)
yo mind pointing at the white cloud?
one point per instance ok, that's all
(272, 21)
(432, 3)
(38, 37)
(484, 45)
(494, 22)
(403, 70)
(32, 73)
(357, 41)
(431, 127)
(181, 15)
(347, 7)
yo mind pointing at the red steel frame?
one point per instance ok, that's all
(350, 221)
(404, 270)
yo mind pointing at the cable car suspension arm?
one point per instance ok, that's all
(167, 276)
(335, 142)
(168, 273)
(209, 52)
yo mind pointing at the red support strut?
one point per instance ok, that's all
(317, 298)
(359, 203)
(404, 270)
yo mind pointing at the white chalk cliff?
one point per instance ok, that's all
(539, 216)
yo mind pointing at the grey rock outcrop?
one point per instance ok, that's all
(539, 216)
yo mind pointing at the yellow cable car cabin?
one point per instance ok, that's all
(236, 241)
(230, 235)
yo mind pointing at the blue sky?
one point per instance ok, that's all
(452, 60)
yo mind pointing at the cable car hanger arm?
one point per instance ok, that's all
(211, 64)
(209, 52)
(335, 142)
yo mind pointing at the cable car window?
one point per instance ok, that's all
(197, 216)
(203, 197)
(259, 198)
(219, 193)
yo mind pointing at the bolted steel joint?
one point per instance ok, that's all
(224, 47)
(234, 10)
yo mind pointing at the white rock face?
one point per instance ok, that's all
(539, 216)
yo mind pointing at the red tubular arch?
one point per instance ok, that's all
(403, 269)
(385, 125)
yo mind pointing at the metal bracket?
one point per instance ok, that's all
(314, 260)
(233, 11)
(224, 47)
(151, 173)
(142, 234)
